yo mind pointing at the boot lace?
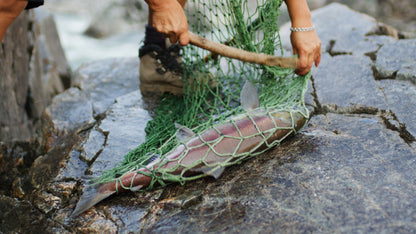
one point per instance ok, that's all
(168, 58)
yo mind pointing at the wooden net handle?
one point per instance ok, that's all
(243, 55)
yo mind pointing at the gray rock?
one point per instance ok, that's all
(47, 202)
(338, 175)
(400, 97)
(70, 110)
(105, 80)
(74, 168)
(16, 213)
(77, 6)
(107, 87)
(125, 122)
(374, 178)
(397, 60)
(403, 9)
(49, 72)
(34, 69)
(15, 123)
(347, 80)
(94, 145)
(53, 55)
(118, 17)
(398, 14)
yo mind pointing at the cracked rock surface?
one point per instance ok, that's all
(350, 170)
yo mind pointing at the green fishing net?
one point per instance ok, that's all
(212, 86)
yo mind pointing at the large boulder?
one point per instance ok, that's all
(118, 17)
(399, 14)
(396, 60)
(33, 70)
(14, 81)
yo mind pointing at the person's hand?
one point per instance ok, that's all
(307, 46)
(168, 17)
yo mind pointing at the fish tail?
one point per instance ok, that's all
(95, 193)
(92, 195)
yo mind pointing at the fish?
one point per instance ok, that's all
(209, 151)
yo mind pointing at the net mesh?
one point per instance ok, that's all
(211, 100)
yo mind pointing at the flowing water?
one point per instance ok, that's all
(80, 48)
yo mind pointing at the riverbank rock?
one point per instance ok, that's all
(33, 70)
(397, 14)
(350, 170)
(118, 17)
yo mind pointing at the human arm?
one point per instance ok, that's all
(306, 45)
(168, 17)
(9, 10)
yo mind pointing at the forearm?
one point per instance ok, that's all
(299, 13)
(158, 4)
(305, 41)
(9, 10)
(155, 3)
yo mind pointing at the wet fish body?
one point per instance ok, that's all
(208, 152)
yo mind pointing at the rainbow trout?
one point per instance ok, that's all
(205, 152)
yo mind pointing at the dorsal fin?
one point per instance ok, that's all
(249, 97)
(183, 133)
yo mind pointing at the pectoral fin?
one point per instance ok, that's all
(211, 171)
(137, 188)
(183, 133)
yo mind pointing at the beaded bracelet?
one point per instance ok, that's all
(302, 29)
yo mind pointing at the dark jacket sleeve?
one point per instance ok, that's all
(33, 3)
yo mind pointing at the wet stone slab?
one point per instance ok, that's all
(338, 175)
(397, 60)
(121, 131)
(105, 80)
(370, 181)
(23, 217)
(124, 128)
(343, 36)
(94, 144)
(70, 110)
(346, 81)
(400, 96)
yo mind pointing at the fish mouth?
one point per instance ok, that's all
(286, 118)
(299, 120)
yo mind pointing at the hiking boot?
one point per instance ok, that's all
(161, 70)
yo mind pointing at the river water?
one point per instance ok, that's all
(80, 48)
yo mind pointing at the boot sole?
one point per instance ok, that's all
(159, 89)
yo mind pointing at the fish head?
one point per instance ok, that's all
(299, 120)
(285, 118)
